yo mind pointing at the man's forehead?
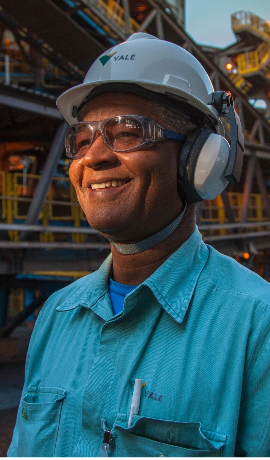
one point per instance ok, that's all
(122, 103)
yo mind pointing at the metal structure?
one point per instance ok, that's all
(43, 228)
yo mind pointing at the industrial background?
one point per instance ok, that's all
(46, 47)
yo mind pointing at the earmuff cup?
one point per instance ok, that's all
(202, 164)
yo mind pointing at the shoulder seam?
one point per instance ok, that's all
(234, 291)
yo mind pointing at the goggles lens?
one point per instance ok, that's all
(121, 133)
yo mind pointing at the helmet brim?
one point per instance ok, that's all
(80, 92)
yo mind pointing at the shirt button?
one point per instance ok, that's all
(24, 413)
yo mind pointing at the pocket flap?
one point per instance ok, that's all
(42, 404)
(184, 434)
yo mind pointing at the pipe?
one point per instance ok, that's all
(47, 228)
(42, 245)
(88, 230)
(7, 70)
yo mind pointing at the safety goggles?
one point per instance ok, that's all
(122, 133)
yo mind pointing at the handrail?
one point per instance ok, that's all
(256, 60)
(252, 22)
(58, 218)
(91, 231)
(115, 13)
(253, 61)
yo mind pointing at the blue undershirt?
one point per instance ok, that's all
(118, 293)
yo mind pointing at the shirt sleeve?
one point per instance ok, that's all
(13, 448)
(253, 434)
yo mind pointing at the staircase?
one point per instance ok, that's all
(255, 30)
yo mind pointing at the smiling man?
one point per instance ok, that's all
(164, 351)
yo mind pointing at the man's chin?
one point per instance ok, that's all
(113, 233)
(116, 235)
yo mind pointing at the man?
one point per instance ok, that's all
(164, 351)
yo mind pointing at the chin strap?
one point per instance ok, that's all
(140, 246)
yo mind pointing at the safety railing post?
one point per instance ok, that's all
(7, 70)
(44, 183)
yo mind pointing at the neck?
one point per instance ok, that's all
(133, 269)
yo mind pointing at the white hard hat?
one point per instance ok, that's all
(153, 64)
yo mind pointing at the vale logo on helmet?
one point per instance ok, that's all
(123, 57)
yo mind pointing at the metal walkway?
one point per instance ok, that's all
(255, 63)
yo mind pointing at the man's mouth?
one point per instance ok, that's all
(109, 184)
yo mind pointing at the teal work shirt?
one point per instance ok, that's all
(197, 332)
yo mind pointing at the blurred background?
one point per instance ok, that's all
(47, 46)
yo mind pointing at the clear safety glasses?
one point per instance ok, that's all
(122, 133)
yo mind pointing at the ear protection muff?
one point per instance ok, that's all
(207, 162)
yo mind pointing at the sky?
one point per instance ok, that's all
(209, 21)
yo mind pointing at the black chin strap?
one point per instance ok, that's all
(140, 246)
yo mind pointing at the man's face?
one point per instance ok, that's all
(145, 199)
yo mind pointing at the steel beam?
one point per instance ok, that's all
(254, 130)
(199, 208)
(237, 236)
(248, 186)
(159, 26)
(228, 210)
(209, 227)
(22, 316)
(125, 4)
(120, 33)
(262, 188)
(83, 246)
(91, 231)
(45, 180)
(149, 18)
(29, 106)
(261, 134)
(47, 228)
(54, 245)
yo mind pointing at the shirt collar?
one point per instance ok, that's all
(172, 284)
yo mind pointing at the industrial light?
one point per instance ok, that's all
(246, 255)
(229, 66)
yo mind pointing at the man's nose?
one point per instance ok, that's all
(99, 153)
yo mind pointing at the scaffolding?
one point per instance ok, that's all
(258, 60)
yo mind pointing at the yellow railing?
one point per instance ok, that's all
(61, 207)
(254, 60)
(115, 13)
(19, 66)
(240, 83)
(246, 20)
(214, 212)
(15, 66)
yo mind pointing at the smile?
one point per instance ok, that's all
(109, 184)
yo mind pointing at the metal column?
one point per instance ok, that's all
(248, 186)
(127, 15)
(44, 183)
(4, 296)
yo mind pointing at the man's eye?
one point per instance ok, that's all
(85, 143)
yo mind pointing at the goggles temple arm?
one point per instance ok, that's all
(173, 136)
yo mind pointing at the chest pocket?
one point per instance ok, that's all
(163, 438)
(39, 418)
